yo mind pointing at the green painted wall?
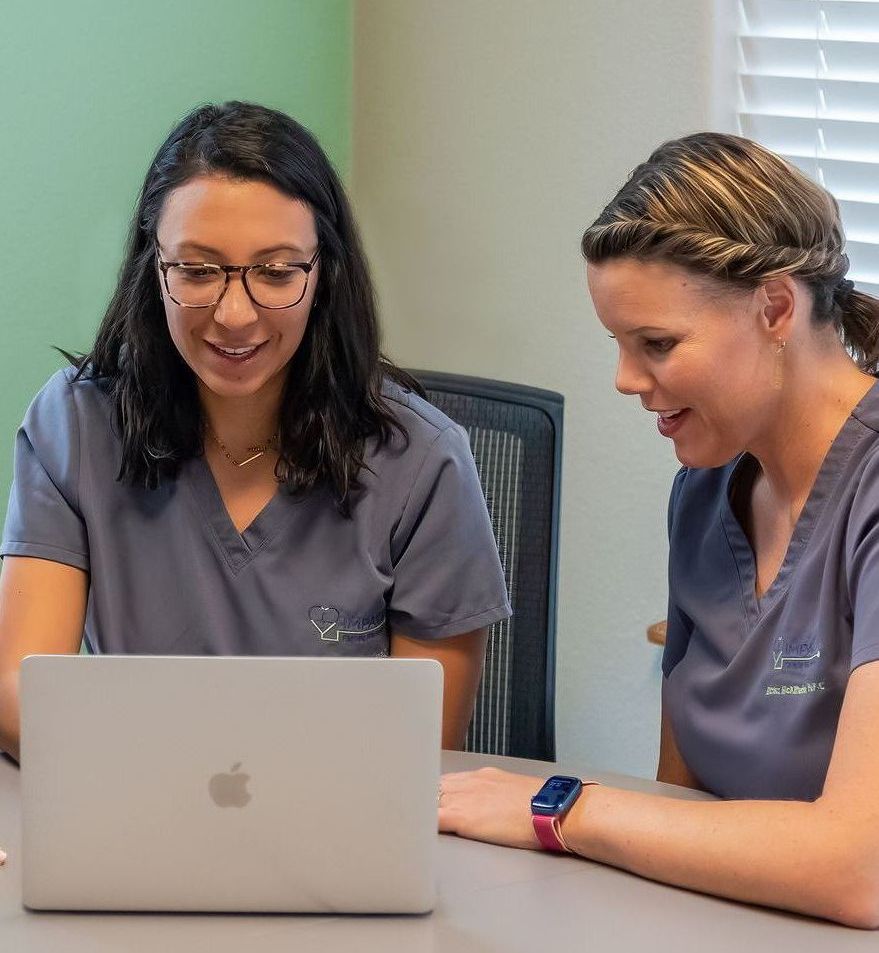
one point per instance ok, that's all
(90, 89)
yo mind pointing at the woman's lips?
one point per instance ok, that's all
(670, 422)
(235, 355)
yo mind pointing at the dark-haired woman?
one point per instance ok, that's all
(720, 271)
(233, 468)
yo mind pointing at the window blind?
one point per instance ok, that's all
(808, 75)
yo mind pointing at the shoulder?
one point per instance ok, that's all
(861, 477)
(698, 493)
(427, 428)
(867, 410)
(416, 414)
(860, 484)
(426, 446)
(66, 400)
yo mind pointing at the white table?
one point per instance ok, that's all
(491, 900)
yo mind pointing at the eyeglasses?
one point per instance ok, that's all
(275, 284)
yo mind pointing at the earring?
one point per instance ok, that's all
(778, 372)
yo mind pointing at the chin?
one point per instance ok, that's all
(224, 387)
(704, 458)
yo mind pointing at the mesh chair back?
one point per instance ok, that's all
(516, 437)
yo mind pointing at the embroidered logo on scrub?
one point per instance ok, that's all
(800, 652)
(325, 619)
(331, 626)
(794, 659)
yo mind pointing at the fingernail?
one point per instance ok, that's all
(2, 857)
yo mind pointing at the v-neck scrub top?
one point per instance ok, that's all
(753, 687)
(170, 574)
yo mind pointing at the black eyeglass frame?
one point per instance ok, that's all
(306, 266)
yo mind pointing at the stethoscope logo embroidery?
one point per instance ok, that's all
(779, 658)
(793, 665)
(324, 619)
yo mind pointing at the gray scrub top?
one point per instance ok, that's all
(170, 574)
(753, 687)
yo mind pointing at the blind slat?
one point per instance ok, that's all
(841, 140)
(798, 59)
(816, 99)
(809, 19)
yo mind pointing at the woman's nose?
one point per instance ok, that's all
(235, 309)
(631, 378)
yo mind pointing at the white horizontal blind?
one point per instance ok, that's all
(809, 90)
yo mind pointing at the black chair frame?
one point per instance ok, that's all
(532, 730)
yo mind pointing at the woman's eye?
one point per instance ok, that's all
(278, 274)
(660, 345)
(196, 273)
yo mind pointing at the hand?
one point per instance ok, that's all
(489, 805)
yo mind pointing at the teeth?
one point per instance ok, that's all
(668, 414)
(236, 351)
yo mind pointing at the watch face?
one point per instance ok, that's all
(556, 795)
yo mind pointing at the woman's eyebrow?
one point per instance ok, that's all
(208, 250)
(647, 327)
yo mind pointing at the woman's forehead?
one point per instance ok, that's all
(633, 274)
(235, 216)
(631, 290)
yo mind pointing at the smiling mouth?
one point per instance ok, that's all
(235, 353)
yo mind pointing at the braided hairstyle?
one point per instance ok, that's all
(727, 208)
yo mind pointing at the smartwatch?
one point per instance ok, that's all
(549, 806)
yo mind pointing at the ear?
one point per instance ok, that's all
(777, 303)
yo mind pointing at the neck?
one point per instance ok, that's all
(814, 402)
(242, 421)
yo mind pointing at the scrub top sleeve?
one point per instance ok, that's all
(447, 573)
(43, 518)
(862, 557)
(679, 628)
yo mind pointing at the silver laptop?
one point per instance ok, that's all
(230, 784)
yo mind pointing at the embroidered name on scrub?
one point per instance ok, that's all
(804, 689)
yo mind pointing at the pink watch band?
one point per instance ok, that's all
(546, 827)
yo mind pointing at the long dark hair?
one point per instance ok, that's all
(332, 402)
(728, 208)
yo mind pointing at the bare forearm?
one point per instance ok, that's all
(9, 717)
(461, 657)
(788, 854)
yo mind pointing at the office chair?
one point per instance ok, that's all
(516, 436)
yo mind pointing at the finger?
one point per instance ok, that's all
(2, 857)
(455, 776)
(445, 822)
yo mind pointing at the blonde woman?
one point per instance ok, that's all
(721, 272)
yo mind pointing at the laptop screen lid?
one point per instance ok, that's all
(230, 784)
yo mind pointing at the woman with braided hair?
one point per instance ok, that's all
(721, 272)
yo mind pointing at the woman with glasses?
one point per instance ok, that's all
(234, 468)
(720, 271)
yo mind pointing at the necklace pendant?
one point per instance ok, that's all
(255, 452)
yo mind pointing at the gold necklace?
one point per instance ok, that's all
(255, 451)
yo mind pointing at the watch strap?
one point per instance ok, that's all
(548, 831)
(548, 828)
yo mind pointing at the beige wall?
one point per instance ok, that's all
(487, 134)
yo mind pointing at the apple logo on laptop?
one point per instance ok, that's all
(230, 790)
